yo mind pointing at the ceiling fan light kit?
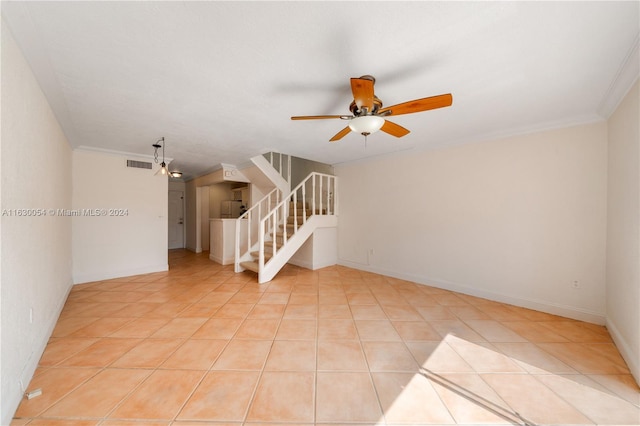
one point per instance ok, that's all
(369, 116)
(366, 124)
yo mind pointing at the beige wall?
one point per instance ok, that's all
(36, 251)
(117, 246)
(516, 220)
(623, 230)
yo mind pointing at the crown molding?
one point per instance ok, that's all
(625, 78)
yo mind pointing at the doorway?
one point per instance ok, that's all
(176, 219)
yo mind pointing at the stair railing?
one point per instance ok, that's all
(254, 217)
(281, 163)
(318, 188)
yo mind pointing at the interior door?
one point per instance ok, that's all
(176, 219)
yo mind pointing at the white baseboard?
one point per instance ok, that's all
(107, 275)
(222, 260)
(538, 305)
(625, 350)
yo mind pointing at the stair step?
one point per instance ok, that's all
(267, 254)
(299, 204)
(252, 266)
(291, 218)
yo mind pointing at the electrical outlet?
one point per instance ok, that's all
(370, 252)
(575, 284)
(30, 315)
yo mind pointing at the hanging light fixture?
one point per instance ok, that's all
(156, 146)
(366, 124)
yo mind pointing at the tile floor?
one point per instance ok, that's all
(201, 345)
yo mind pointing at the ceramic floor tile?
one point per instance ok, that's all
(541, 404)
(208, 346)
(389, 356)
(534, 332)
(133, 423)
(243, 355)
(501, 312)
(471, 401)
(261, 329)
(533, 359)
(55, 383)
(149, 353)
(281, 298)
(199, 310)
(218, 328)
(468, 312)
(402, 313)
(416, 331)
(297, 329)
(245, 298)
(292, 355)
(140, 328)
(99, 395)
(101, 353)
(622, 385)
(438, 357)
(334, 311)
(484, 357)
(195, 355)
(368, 312)
(136, 310)
(600, 407)
(221, 396)
(361, 299)
(59, 349)
(579, 357)
(456, 328)
(234, 310)
(267, 311)
(284, 397)
(160, 396)
(333, 329)
(303, 299)
(449, 300)
(66, 422)
(576, 331)
(435, 313)
(102, 327)
(335, 298)
(377, 330)
(301, 311)
(345, 398)
(409, 398)
(341, 355)
(179, 328)
(493, 331)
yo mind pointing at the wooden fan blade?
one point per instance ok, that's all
(394, 129)
(315, 117)
(418, 105)
(362, 93)
(342, 133)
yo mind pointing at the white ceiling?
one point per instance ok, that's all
(220, 80)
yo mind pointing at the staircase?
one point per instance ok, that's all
(282, 230)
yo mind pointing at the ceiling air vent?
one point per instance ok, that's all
(139, 164)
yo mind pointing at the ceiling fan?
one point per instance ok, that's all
(368, 115)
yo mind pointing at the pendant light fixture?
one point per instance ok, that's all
(163, 166)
